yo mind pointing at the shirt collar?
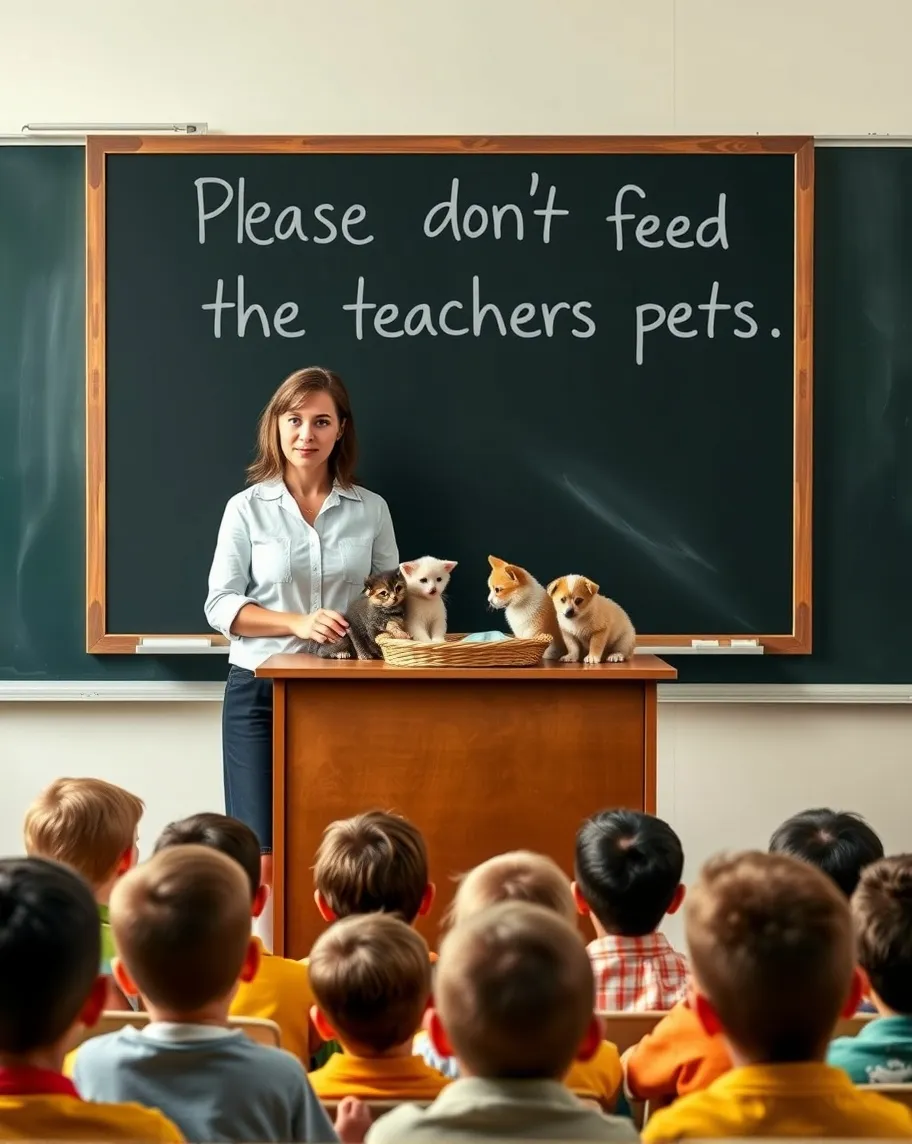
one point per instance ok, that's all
(178, 1033)
(258, 941)
(481, 1090)
(897, 1027)
(275, 490)
(803, 1078)
(342, 1065)
(649, 945)
(30, 1081)
(104, 912)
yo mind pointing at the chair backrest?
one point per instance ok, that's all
(852, 1026)
(899, 1092)
(376, 1108)
(256, 1028)
(626, 1029)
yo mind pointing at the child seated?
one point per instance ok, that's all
(280, 991)
(522, 876)
(772, 951)
(839, 843)
(628, 868)
(371, 976)
(90, 825)
(370, 863)
(182, 927)
(882, 913)
(50, 990)
(514, 1003)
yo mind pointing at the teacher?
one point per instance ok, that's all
(292, 553)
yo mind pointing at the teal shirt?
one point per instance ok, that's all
(880, 1054)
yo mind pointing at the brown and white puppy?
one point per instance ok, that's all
(529, 611)
(590, 623)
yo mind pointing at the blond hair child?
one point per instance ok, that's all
(514, 996)
(773, 960)
(90, 825)
(524, 876)
(50, 937)
(371, 977)
(182, 926)
(280, 991)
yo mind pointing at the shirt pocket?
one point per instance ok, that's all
(270, 560)
(356, 560)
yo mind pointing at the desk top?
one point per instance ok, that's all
(299, 666)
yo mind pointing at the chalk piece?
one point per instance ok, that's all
(744, 643)
(155, 641)
(704, 643)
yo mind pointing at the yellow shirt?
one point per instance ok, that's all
(601, 1076)
(280, 992)
(376, 1078)
(59, 1117)
(806, 1099)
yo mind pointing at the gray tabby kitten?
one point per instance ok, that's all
(381, 608)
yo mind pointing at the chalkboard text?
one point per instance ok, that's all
(676, 229)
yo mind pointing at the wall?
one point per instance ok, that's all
(727, 772)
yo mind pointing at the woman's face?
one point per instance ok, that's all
(308, 433)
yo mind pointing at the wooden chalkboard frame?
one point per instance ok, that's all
(796, 641)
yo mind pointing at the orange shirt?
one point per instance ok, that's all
(280, 992)
(376, 1078)
(676, 1058)
(37, 1104)
(601, 1076)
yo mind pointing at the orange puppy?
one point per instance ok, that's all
(529, 611)
(590, 622)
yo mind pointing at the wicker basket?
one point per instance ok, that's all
(502, 653)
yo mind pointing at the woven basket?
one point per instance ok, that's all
(502, 653)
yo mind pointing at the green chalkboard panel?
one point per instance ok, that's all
(581, 362)
(862, 447)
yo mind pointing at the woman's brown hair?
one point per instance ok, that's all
(295, 389)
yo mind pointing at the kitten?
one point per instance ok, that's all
(529, 611)
(425, 611)
(381, 608)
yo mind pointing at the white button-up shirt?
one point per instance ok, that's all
(267, 554)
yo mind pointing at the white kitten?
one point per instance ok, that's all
(425, 611)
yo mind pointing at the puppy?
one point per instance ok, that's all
(529, 611)
(590, 622)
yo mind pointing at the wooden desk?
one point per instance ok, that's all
(482, 760)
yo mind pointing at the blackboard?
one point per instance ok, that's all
(862, 418)
(579, 355)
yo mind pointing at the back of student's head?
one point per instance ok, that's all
(371, 976)
(628, 867)
(514, 991)
(50, 945)
(838, 842)
(88, 824)
(181, 924)
(882, 913)
(772, 948)
(219, 832)
(517, 876)
(370, 863)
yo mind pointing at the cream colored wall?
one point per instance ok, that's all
(727, 772)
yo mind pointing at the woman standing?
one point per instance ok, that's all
(292, 554)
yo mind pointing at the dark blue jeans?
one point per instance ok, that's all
(247, 752)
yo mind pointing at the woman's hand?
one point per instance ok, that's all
(322, 626)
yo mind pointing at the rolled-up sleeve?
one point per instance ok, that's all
(385, 554)
(229, 575)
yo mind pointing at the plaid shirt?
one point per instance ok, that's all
(637, 973)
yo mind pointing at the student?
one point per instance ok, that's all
(773, 958)
(839, 843)
(523, 876)
(280, 991)
(882, 912)
(372, 862)
(371, 976)
(514, 1004)
(50, 947)
(92, 826)
(182, 927)
(628, 868)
